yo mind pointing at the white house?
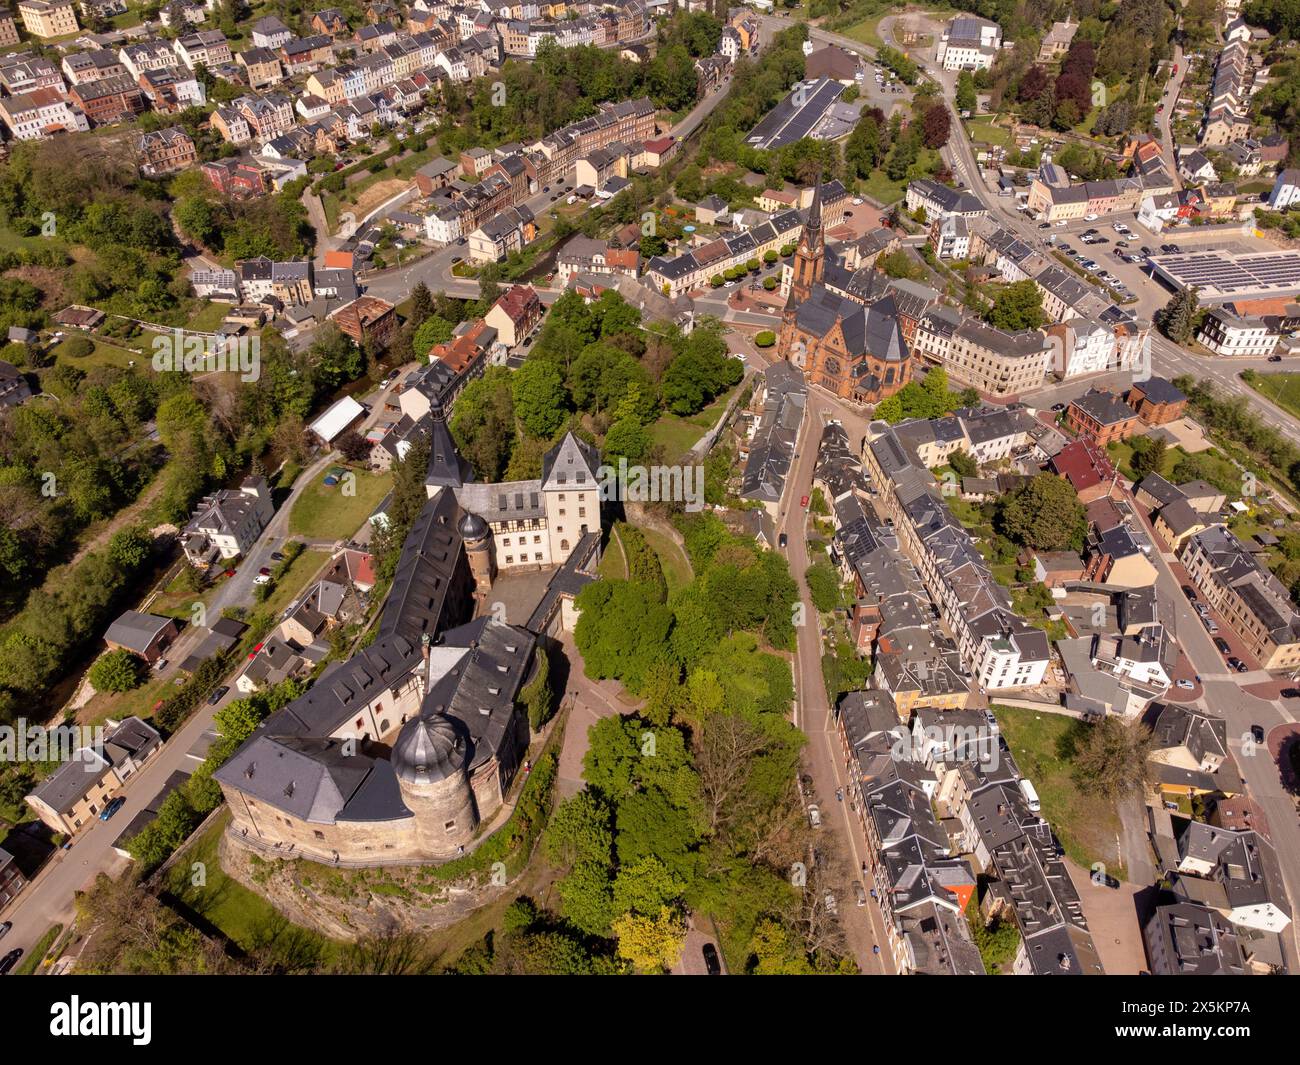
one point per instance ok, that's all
(1225, 333)
(969, 44)
(1286, 189)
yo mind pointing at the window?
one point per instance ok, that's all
(94, 809)
(510, 560)
(582, 512)
(537, 557)
(506, 542)
(564, 545)
(318, 833)
(537, 539)
(448, 826)
(360, 722)
(561, 512)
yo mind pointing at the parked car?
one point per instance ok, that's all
(1257, 733)
(804, 502)
(218, 695)
(782, 540)
(1236, 663)
(10, 960)
(814, 815)
(1058, 407)
(1091, 217)
(265, 571)
(262, 578)
(1044, 225)
(1103, 879)
(113, 806)
(1222, 645)
(712, 963)
(160, 665)
(1275, 358)
(276, 557)
(1290, 693)
(4, 928)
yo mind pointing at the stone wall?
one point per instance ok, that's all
(347, 904)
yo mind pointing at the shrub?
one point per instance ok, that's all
(117, 671)
(765, 339)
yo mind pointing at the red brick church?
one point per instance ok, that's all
(853, 349)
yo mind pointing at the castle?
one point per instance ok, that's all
(854, 349)
(402, 751)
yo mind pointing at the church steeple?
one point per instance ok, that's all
(810, 255)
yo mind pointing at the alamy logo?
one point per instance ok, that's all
(180, 352)
(77, 1018)
(652, 484)
(22, 742)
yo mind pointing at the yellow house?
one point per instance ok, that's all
(48, 18)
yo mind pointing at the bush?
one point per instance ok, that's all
(117, 671)
(765, 339)
(78, 347)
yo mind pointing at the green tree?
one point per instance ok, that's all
(116, 671)
(1177, 319)
(1044, 513)
(1018, 306)
(1150, 458)
(540, 400)
(1113, 757)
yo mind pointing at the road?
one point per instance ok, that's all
(1168, 105)
(49, 898)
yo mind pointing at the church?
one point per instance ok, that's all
(854, 349)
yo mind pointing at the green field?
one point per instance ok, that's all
(678, 435)
(881, 189)
(1043, 746)
(677, 570)
(323, 513)
(1282, 388)
(246, 919)
(300, 572)
(983, 131)
(865, 32)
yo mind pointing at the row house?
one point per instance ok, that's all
(502, 235)
(997, 363)
(172, 91)
(39, 114)
(372, 37)
(109, 99)
(165, 151)
(306, 55)
(267, 116)
(261, 278)
(148, 55)
(24, 72)
(262, 66)
(376, 71)
(208, 48)
(81, 67)
(232, 124)
(583, 255)
(698, 267)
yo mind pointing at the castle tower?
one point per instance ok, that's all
(477, 537)
(430, 759)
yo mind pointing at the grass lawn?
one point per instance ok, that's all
(1282, 388)
(613, 563)
(138, 702)
(678, 435)
(865, 32)
(39, 949)
(677, 569)
(246, 919)
(1043, 746)
(106, 353)
(880, 188)
(324, 513)
(1121, 454)
(208, 317)
(983, 131)
(300, 572)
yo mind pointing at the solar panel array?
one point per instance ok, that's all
(787, 122)
(1220, 274)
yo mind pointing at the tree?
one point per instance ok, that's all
(1113, 756)
(963, 463)
(1177, 319)
(1149, 458)
(966, 98)
(539, 397)
(935, 126)
(1044, 513)
(1018, 306)
(353, 446)
(823, 585)
(652, 944)
(116, 671)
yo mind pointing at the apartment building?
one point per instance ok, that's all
(48, 18)
(1255, 604)
(995, 362)
(1226, 333)
(165, 151)
(208, 48)
(968, 43)
(39, 114)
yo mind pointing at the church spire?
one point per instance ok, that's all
(809, 256)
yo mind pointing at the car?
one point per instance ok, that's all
(160, 665)
(1145, 250)
(262, 578)
(1222, 645)
(814, 815)
(1166, 248)
(712, 963)
(1290, 693)
(832, 907)
(4, 928)
(1241, 667)
(218, 695)
(113, 806)
(1104, 879)
(1091, 217)
(264, 571)
(804, 502)
(1121, 243)
(1175, 249)
(276, 556)
(1186, 685)
(782, 540)
(1101, 240)
(1058, 407)
(546, 188)
(457, 259)
(10, 960)
(859, 893)
(1211, 626)
(1119, 227)
(1159, 107)
(1235, 663)
(1257, 733)
(1044, 225)
(848, 214)
(1059, 224)
(857, 201)
(1190, 592)
(1275, 358)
